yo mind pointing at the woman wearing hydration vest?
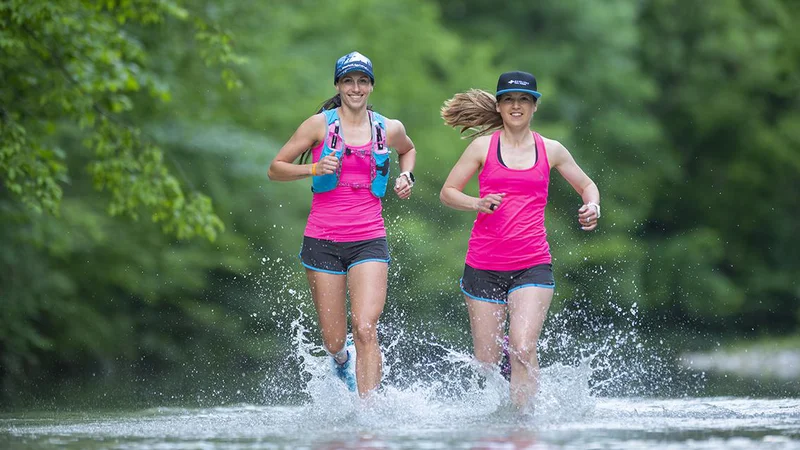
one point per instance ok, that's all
(508, 272)
(344, 244)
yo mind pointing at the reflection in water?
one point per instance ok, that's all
(693, 423)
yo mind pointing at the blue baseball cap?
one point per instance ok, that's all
(517, 82)
(353, 62)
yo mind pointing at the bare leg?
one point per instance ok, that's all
(367, 282)
(487, 321)
(527, 309)
(328, 292)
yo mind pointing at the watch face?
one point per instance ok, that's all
(411, 175)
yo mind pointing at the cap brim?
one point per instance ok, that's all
(354, 68)
(527, 91)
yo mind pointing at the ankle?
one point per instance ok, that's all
(341, 357)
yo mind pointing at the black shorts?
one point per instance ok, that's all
(339, 257)
(494, 285)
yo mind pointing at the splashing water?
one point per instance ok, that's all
(424, 381)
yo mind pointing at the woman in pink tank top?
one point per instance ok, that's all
(344, 244)
(508, 274)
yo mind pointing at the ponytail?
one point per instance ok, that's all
(331, 103)
(474, 110)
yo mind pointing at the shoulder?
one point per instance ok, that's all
(395, 130)
(556, 152)
(478, 147)
(480, 142)
(314, 125)
(392, 125)
(316, 119)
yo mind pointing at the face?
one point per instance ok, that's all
(354, 88)
(516, 107)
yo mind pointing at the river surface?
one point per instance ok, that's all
(396, 423)
(612, 393)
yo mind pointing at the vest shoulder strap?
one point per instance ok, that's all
(378, 130)
(330, 115)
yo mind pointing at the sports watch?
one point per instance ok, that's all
(409, 176)
(596, 207)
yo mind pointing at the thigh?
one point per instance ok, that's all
(329, 293)
(487, 322)
(527, 309)
(367, 282)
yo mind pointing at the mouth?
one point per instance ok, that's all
(516, 114)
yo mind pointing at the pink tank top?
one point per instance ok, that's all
(514, 237)
(347, 213)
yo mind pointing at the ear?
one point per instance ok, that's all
(535, 106)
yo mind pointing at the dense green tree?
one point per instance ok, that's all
(73, 72)
(723, 222)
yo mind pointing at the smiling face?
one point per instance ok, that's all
(516, 108)
(354, 89)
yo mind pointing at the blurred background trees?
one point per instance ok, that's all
(139, 228)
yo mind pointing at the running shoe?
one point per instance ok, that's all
(347, 371)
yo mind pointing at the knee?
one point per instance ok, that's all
(365, 331)
(522, 352)
(333, 345)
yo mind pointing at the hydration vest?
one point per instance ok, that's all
(334, 144)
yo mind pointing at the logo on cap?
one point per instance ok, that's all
(517, 81)
(351, 62)
(355, 56)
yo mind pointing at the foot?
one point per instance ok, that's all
(346, 371)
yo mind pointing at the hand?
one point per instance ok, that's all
(587, 217)
(490, 203)
(402, 187)
(327, 165)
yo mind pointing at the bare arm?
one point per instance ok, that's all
(471, 161)
(397, 138)
(308, 134)
(560, 158)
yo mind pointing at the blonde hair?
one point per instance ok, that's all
(474, 110)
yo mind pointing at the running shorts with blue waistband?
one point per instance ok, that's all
(493, 286)
(338, 257)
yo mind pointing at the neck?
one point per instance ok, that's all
(352, 116)
(517, 137)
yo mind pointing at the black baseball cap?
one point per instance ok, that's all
(517, 82)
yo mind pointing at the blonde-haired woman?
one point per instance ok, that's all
(508, 271)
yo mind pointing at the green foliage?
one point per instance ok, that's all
(73, 72)
(73, 63)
